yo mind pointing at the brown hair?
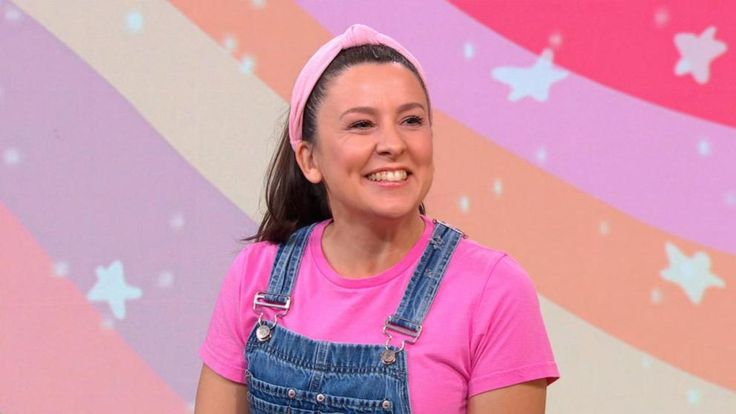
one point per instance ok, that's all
(291, 200)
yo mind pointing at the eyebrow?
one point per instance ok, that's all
(372, 111)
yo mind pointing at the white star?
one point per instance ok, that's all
(61, 269)
(541, 155)
(464, 204)
(176, 221)
(661, 17)
(165, 279)
(247, 65)
(604, 228)
(12, 14)
(498, 187)
(704, 147)
(730, 198)
(555, 40)
(533, 81)
(11, 156)
(697, 53)
(230, 42)
(656, 296)
(693, 396)
(468, 50)
(692, 274)
(111, 288)
(134, 21)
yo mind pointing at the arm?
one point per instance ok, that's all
(525, 398)
(219, 395)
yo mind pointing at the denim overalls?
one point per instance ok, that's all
(290, 373)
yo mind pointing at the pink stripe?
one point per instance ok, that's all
(638, 157)
(634, 30)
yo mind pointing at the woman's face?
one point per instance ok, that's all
(374, 142)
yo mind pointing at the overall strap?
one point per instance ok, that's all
(284, 271)
(424, 283)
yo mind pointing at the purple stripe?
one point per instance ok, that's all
(95, 183)
(636, 156)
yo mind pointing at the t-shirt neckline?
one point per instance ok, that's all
(324, 267)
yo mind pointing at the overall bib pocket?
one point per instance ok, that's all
(269, 398)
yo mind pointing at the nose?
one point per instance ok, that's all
(390, 141)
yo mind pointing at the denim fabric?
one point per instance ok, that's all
(290, 373)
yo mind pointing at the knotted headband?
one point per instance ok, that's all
(355, 35)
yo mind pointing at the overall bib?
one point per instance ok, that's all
(290, 373)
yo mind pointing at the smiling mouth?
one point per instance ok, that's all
(389, 176)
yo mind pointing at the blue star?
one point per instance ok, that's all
(111, 288)
(533, 81)
(692, 274)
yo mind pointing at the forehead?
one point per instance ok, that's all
(371, 82)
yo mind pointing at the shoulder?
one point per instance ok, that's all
(257, 254)
(250, 265)
(497, 275)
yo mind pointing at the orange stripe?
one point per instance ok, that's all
(550, 226)
(54, 354)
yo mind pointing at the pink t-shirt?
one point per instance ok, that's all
(483, 331)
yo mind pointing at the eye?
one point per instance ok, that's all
(414, 120)
(361, 124)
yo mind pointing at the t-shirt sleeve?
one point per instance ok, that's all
(509, 343)
(224, 346)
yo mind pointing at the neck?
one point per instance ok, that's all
(362, 248)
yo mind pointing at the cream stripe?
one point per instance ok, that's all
(193, 93)
(185, 85)
(602, 375)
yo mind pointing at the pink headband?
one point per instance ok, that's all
(355, 35)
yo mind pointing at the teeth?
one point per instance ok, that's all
(399, 175)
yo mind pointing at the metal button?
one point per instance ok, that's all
(263, 333)
(386, 404)
(291, 393)
(388, 356)
(320, 397)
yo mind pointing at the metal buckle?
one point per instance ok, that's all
(260, 300)
(414, 335)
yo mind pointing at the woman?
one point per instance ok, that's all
(352, 300)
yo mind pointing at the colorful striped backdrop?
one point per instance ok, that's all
(593, 140)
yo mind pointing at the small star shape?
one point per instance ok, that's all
(498, 187)
(134, 21)
(694, 396)
(464, 204)
(112, 288)
(468, 50)
(11, 156)
(230, 43)
(697, 53)
(247, 65)
(534, 81)
(704, 147)
(541, 155)
(61, 269)
(692, 274)
(176, 221)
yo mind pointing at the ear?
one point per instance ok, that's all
(304, 153)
